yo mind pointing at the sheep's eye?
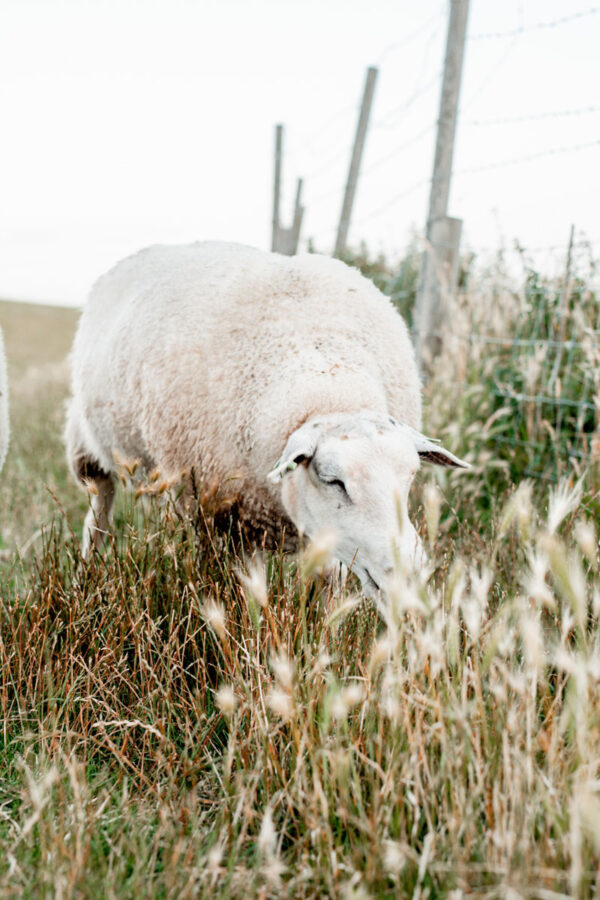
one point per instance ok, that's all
(336, 482)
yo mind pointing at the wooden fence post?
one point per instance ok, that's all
(440, 258)
(284, 240)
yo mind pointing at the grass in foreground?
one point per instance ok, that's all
(178, 720)
(37, 339)
(179, 723)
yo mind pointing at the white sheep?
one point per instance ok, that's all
(287, 382)
(4, 424)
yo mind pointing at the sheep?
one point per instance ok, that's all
(4, 421)
(288, 382)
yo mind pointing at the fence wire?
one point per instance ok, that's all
(520, 358)
(537, 385)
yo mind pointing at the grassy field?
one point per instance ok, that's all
(38, 339)
(182, 720)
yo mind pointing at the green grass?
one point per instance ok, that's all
(37, 339)
(173, 729)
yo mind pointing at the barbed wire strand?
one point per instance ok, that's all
(331, 121)
(517, 160)
(536, 26)
(395, 199)
(382, 160)
(311, 140)
(298, 146)
(419, 90)
(489, 77)
(403, 107)
(422, 89)
(583, 243)
(378, 163)
(398, 111)
(533, 117)
(409, 38)
(476, 169)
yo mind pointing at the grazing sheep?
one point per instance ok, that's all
(229, 363)
(4, 426)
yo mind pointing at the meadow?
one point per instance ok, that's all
(183, 718)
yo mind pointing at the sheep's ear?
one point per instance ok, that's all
(439, 456)
(431, 451)
(300, 447)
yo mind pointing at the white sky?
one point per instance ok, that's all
(126, 123)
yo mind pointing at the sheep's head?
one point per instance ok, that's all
(351, 474)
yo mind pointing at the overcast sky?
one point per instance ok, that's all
(127, 123)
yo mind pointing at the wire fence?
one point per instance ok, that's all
(530, 358)
(537, 26)
(520, 357)
(521, 348)
(401, 129)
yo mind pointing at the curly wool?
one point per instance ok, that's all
(208, 356)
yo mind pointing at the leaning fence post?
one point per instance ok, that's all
(284, 240)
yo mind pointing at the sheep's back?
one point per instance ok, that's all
(183, 351)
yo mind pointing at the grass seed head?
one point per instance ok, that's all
(283, 669)
(214, 615)
(343, 700)
(226, 700)
(563, 501)
(267, 837)
(254, 582)
(281, 703)
(432, 503)
(533, 642)
(318, 554)
(534, 580)
(403, 594)
(587, 539)
(394, 858)
(519, 509)
(215, 855)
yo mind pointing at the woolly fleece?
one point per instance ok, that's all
(210, 355)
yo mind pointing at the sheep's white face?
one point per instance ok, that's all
(351, 474)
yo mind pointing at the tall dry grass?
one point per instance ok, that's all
(181, 719)
(173, 727)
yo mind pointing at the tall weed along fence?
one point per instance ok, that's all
(520, 362)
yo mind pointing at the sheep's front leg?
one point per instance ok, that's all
(97, 522)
